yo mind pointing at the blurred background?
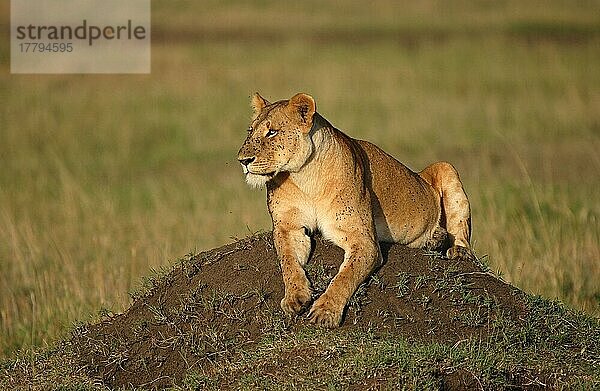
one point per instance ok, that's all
(104, 178)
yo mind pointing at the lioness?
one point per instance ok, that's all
(318, 178)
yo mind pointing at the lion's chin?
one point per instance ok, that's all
(258, 181)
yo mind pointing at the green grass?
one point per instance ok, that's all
(105, 177)
(339, 360)
(552, 348)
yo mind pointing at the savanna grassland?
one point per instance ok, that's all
(104, 177)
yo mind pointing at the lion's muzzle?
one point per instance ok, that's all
(245, 162)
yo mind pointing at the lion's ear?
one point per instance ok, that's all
(303, 107)
(258, 103)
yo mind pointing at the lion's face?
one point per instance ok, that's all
(278, 138)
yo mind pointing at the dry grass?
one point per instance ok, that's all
(105, 177)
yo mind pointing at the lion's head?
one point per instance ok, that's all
(278, 139)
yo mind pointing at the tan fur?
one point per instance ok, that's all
(319, 179)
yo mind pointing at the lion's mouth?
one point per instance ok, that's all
(259, 179)
(266, 175)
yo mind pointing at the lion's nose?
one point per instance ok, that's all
(246, 161)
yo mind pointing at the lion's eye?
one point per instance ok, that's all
(271, 133)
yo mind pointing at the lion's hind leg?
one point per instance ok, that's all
(456, 210)
(438, 240)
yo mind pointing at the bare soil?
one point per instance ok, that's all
(213, 304)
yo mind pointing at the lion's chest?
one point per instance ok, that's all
(307, 210)
(330, 209)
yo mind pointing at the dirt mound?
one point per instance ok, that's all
(213, 304)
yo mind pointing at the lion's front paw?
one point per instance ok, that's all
(295, 301)
(325, 313)
(460, 252)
